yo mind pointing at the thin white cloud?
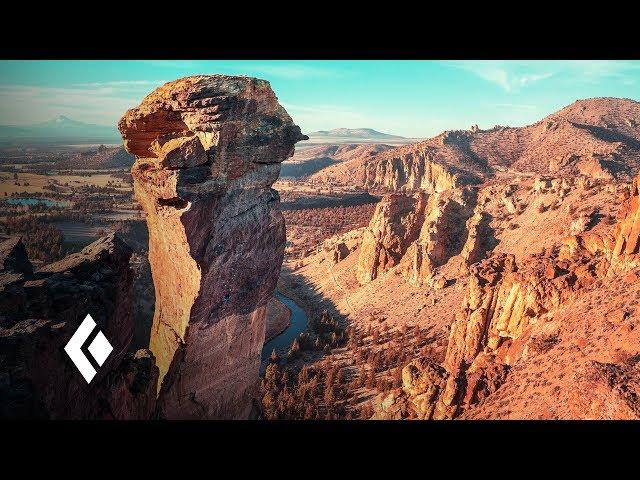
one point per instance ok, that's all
(507, 75)
(514, 75)
(595, 70)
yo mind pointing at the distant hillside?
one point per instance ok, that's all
(98, 159)
(598, 137)
(59, 130)
(311, 160)
(354, 132)
(354, 135)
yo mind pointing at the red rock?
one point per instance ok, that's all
(208, 150)
(395, 224)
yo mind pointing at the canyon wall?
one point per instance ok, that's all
(394, 226)
(508, 311)
(419, 232)
(208, 150)
(412, 168)
(42, 309)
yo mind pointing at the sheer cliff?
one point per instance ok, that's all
(208, 149)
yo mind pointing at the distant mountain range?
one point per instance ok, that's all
(59, 130)
(353, 132)
(355, 135)
(66, 130)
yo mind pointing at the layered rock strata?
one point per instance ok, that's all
(414, 170)
(208, 149)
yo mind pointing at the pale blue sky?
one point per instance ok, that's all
(410, 98)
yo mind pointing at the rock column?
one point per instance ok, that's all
(208, 150)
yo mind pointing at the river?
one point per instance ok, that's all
(37, 201)
(282, 342)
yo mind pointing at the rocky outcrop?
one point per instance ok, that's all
(42, 310)
(394, 226)
(340, 252)
(619, 248)
(626, 235)
(208, 149)
(480, 238)
(497, 324)
(442, 236)
(420, 233)
(416, 170)
(13, 256)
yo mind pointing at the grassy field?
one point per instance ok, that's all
(37, 181)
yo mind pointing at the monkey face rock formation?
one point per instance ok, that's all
(208, 149)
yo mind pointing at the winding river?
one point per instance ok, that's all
(282, 342)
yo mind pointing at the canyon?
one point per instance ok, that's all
(479, 274)
(494, 244)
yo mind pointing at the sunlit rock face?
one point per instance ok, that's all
(208, 150)
(419, 232)
(394, 225)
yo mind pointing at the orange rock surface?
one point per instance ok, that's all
(523, 269)
(208, 149)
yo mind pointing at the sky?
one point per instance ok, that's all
(411, 98)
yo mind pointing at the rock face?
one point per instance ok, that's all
(208, 149)
(419, 233)
(394, 226)
(442, 235)
(415, 170)
(42, 310)
(626, 236)
(508, 314)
